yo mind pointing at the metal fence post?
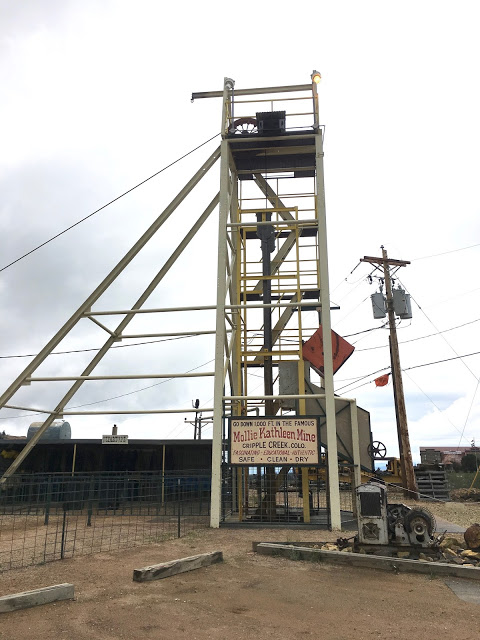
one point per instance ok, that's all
(48, 500)
(90, 502)
(64, 521)
(178, 508)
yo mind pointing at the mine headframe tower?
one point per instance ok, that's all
(272, 270)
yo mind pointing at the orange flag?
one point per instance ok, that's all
(382, 380)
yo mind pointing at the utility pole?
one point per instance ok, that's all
(197, 424)
(409, 481)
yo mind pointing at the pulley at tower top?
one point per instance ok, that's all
(270, 135)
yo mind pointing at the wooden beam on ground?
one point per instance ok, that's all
(36, 597)
(167, 569)
(396, 565)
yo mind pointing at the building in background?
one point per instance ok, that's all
(92, 456)
(444, 455)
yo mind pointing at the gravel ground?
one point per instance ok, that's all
(462, 513)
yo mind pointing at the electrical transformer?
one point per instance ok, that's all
(401, 304)
(378, 305)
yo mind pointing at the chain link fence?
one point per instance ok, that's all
(56, 516)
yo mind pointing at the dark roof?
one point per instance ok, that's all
(5, 441)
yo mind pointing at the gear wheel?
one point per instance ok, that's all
(396, 513)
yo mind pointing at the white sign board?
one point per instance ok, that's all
(274, 441)
(114, 439)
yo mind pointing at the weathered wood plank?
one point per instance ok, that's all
(167, 569)
(36, 597)
(368, 561)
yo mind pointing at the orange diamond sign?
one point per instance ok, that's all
(313, 351)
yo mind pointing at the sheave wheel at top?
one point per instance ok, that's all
(244, 126)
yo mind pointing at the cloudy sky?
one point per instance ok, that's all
(96, 98)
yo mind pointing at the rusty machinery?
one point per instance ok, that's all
(381, 523)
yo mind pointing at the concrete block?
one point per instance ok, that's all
(396, 565)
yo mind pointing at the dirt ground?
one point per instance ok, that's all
(245, 597)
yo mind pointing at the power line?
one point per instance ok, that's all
(417, 366)
(427, 364)
(437, 329)
(435, 405)
(458, 295)
(365, 383)
(350, 312)
(193, 334)
(208, 426)
(117, 346)
(130, 393)
(350, 335)
(363, 378)
(179, 425)
(346, 279)
(469, 411)
(106, 205)
(435, 255)
(123, 395)
(354, 287)
(430, 335)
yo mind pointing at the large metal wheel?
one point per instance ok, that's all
(377, 449)
(420, 522)
(244, 126)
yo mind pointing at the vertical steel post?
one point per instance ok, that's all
(357, 470)
(74, 458)
(332, 458)
(240, 494)
(356, 473)
(163, 475)
(219, 380)
(267, 238)
(305, 494)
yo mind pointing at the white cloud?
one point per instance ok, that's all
(97, 97)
